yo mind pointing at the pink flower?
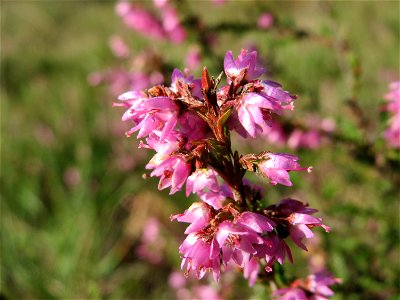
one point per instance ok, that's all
(152, 243)
(140, 20)
(178, 78)
(277, 166)
(280, 99)
(290, 294)
(150, 114)
(307, 139)
(118, 46)
(160, 3)
(251, 269)
(170, 21)
(314, 287)
(275, 133)
(256, 222)
(164, 148)
(192, 126)
(202, 179)
(173, 173)
(200, 255)
(250, 112)
(243, 68)
(273, 248)
(254, 108)
(235, 239)
(199, 214)
(265, 21)
(212, 240)
(193, 58)
(298, 220)
(392, 133)
(218, 198)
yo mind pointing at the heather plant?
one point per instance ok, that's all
(189, 125)
(79, 221)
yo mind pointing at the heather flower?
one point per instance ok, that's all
(275, 133)
(202, 179)
(150, 114)
(279, 99)
(273, 248)
(178, 78)
(251, 269)
(170, 21)
(199, 214)
(164, 148)
(200, 255)
(277, 165)
(250, 112)
(243, 68)
(187, 124)
(212, 240)
(192, 126)
(140, 20)
(216, 199)
(310, 135)
(193, 58)
(392, 133)
(314, 287)
(234, 239)
(173, 173)
(307, 139)
(265, 21)
(160, 3)
(152, 243)
(118, 46)
(186, 288)
(254, 108)
(294, 219)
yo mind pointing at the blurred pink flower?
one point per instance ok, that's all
(152, 243)
(160, 3)
(193, 58)
(314, 287)
(118, 46)
(140, 20)
(392, 133)
(172, 26)
(265, 21)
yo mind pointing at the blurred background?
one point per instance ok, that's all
(78, 221)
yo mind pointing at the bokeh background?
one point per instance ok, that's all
(78, 221)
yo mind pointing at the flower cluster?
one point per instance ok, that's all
(226, 236)
(314, 287)
(188, 125)
(392, 133)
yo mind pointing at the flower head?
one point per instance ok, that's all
(202, 179)
(277, 165)
(173, 173)
(243, 68)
